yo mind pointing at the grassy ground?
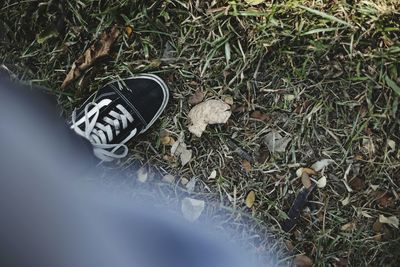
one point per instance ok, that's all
(324, 73)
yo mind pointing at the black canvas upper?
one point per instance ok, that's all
(144, 97)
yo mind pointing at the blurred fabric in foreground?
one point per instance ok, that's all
(51, 216)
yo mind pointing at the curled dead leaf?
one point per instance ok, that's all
(209, 112)
(100, 49)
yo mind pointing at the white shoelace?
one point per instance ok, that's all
(97, 132)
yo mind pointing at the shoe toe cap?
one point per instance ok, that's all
(148, 95)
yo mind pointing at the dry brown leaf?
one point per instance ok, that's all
(348, 227)
(229, 100)
(382, 231)
(167, 140)
(392, 220)
(377, 238)
(342, 262)
(305, 180)
(263, 154)
(309, 171)
(276, 143)
(129, 30)
(238, 109)
(357, 184)
(179, 148)
(377, 226)
(384, 199)
(250, 199)
(321, 164)
(98, 50)
(196, 98)
(258, 115)
(289, 245)
(247, 165)
(303, 261)
(209, 112)
(305, 174)
(387, 234)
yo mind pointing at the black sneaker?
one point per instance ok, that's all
(118, 112)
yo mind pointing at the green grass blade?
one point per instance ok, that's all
(321, 30)
(325, 15)
(392, 84)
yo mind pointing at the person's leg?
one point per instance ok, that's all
(42, 221)
(51, 218)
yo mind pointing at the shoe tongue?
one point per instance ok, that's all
(138, 122)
